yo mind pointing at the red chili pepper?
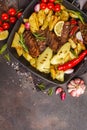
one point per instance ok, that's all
(73, 21)
(73, 30)
(73, 62)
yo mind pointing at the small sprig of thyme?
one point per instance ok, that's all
(39, 37)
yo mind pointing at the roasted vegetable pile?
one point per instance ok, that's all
(52, 36)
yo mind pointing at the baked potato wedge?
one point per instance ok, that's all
(16, 44)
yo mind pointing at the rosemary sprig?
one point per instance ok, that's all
(22, 42)
(39, 37)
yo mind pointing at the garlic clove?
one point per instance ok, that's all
(79, 36)
(71, 89)
(82, 82)
(83, 86)
(69, 71)
(63, 95)
(73, 93)
(77, 81)
(71, 86)
(73, 82)
(59, 90)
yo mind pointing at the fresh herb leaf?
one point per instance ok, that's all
(7, 57)
(41, 87)
(3, 49)
(39, 37)
(22, 42)
(50, 91)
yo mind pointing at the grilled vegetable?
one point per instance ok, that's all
(16, 44)
(43, 61)
(27, 56)
(62, 55)
(73, 62)
(60, 75)
(41, 17)
(33, 21)
(21, 28)
(47, 20)
(64, 15)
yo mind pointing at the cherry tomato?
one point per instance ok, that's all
(1, 29)
(19, 14)
(50, 6)
(52, 1)
(4, 16)
(57, 8)
(12, 19)
(44, 1)
(0, 22)
(43, 5)
(12, 12)
(5, 25)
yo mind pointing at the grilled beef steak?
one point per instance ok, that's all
(31, 44)
(53, 41)
(83, 29)
(65, 32)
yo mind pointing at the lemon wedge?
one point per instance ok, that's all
(4, 35)
(58, 28)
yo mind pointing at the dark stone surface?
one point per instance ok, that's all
(24, 108)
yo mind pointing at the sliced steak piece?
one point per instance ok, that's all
(83, 29)
(41, 45)
(53, 41)
(31, 43)
(65, 32)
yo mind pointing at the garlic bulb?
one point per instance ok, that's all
(76, 87)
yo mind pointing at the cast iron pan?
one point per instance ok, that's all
(26, 64)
